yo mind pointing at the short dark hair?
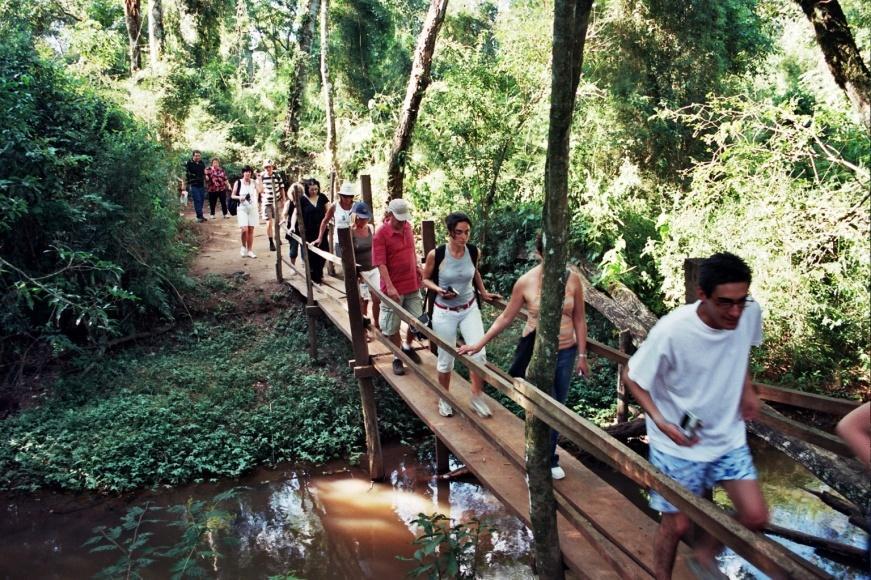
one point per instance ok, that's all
(539, 242)
(722, 268)
(456, 218)
(195, 151)
(311, 181)
(248, 168)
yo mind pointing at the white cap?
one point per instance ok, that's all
(348, 189)
(399, 208)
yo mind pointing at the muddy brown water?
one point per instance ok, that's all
(331, 522)
(313, 522)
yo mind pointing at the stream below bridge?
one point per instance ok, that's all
(331, 522)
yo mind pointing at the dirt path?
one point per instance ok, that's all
(219, 253)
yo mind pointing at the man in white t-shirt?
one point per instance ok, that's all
(694, 367)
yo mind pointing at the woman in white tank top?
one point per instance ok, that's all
(341, 211)
(245, 192)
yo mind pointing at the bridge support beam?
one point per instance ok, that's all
(441, 456)
(361, 357)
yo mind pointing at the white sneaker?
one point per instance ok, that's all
(445, 409)
(557, 472)
(243, 251)
(226, 216)
(479, 406)
(251, 254)
(212, 217)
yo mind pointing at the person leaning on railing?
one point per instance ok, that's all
(572, 336)
(451, 274)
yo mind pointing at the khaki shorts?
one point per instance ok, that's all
(268, 212)
(388, 319)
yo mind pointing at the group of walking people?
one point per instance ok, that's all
(691, 374)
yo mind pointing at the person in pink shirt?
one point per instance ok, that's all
(394, 255)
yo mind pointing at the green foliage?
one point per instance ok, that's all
(447, 551)
(670, 53)
(90, 234)
(130, 540)
(365, 50)
(214, 402)
(789, 192)
(203, 526)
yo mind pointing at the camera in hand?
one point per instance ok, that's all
(248, 197)
(690, 424)
(450, 293)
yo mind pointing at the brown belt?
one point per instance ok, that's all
(455, 308)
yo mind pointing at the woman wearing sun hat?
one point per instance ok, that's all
(341, 214)
(361, 235)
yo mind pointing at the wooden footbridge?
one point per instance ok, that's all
(602, 534)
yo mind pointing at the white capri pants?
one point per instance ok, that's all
(445, 324)
(246, 215)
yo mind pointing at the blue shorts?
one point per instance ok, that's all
(698, 476)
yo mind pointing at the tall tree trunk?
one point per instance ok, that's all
(328, 90)
(570, 21)
(133, 20)
(841, 54)
(155, 32)
(305, 32)
(417, 83)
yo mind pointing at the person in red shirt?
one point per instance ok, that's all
(394, 255)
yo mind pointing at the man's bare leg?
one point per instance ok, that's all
(750, 510)
(672, 528)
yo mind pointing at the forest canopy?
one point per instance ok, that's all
(700, 126)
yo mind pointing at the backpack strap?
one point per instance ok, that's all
(473, 253)
(429, 300)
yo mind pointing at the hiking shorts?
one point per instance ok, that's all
(699, 476)
(389, 319)
(246, 215)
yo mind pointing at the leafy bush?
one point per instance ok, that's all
(215, 403)
(788, 191)
(89, 232)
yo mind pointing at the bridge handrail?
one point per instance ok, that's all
(767, 555)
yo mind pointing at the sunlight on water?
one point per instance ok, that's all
(330, 522)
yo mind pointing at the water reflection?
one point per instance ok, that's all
(790, 506)
(325, 523)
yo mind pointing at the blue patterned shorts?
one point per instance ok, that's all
(698, 476)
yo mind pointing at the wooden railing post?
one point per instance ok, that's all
(427, 232)
(622, 406)
(310, 308)
(363, 369)
(691, 278)
(277, 233)
(366, 191)
(331, 268)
